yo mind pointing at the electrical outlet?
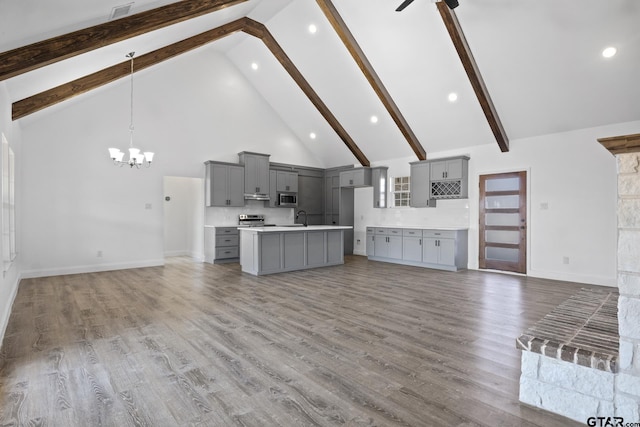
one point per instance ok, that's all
(565, 260)
(99, 254)
(147, 205)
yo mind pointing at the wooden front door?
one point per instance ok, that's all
(503, 222)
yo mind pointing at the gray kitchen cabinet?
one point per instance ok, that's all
(273, 190)
(271, 250)
(310, 196)
(256, 172)
(294, 250)
(221, 245)
(388, 243)
(332, 198)
(287, 181)
(358, 177)
(380, 186)
(438, 249)
(412, 245)
(449, 178)
(447, 169)
(419, 189)
(224, 184)
(371, 241)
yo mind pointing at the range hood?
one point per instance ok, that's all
(256, 196)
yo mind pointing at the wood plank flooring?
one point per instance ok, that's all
(361, 344)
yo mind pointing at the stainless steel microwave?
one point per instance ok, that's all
(288, 199)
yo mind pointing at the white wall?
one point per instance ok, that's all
(570, 172)
(9, 280)
(190, 109)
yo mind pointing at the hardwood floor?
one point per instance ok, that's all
(365, 343)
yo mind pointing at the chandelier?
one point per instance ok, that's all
(136, 158)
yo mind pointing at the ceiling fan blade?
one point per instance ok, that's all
(404, 4)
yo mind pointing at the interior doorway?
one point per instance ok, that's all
(183, 216)
(503, 222)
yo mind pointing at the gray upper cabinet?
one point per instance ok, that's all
(420, 184)
(287, 181)
(446, 169)
(449, 178)
(380, 185)
(358, 177)
(439, 179)
(224, 184)
(256, 172)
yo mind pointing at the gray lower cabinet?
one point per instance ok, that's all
(371, 232)
(277, 252)
(439, 249)
(221, 245)
(388, 243)
(412, 245)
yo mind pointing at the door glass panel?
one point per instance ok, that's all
(502, 254)
(502, 219)
(502, 202)
(502, 236)
(502, 184)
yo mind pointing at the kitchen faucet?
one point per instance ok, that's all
(305, 216)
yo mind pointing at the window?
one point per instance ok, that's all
(401, 190)
(8, 205)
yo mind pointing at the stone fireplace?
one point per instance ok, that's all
(583, 359)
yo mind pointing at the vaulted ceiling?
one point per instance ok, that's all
(539, 62)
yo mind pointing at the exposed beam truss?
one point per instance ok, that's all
(40, 54)
(68, 90)
(473, 72)
(369, 72)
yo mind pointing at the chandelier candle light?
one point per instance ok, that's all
(136, 158)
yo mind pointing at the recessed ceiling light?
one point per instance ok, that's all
(453, 97)
(313, 29)
(609, 52)
(312, 135)
(374, 119)
(254, 65)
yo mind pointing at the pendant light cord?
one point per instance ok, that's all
(130, 55)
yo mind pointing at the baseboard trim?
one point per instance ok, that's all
(7, 314)
(30, 274)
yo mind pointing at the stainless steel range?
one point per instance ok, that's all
(251, 220)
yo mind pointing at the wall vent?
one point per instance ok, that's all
(120, 11)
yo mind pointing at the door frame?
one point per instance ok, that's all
(527, 207)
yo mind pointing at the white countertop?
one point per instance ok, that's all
(419, 227)
(279, 229)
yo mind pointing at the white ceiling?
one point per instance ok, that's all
(540, 59)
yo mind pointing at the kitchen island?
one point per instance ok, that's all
(268, 250)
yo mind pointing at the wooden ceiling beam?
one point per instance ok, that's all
(369, 72)
(68, 90)
(473, 72)
(258, 30)
(621, 144)
(92, 81)
(40, 54)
